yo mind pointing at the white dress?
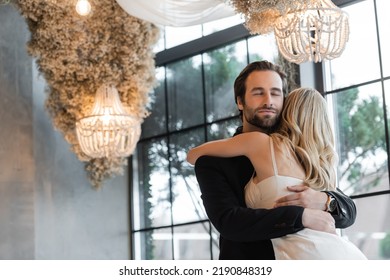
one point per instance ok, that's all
(306, 244)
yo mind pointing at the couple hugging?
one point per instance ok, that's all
(271, 189)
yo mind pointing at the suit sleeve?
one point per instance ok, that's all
(223, 199)
(345, 213)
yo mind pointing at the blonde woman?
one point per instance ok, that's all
(302, 150)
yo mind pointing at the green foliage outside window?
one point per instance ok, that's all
(361, 138)
(384, 247)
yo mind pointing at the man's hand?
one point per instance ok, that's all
(303, 196)
(318, 220)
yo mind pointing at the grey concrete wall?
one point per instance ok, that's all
(16, 141)
(48, 209)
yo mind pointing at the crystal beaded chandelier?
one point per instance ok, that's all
(108, 131)
(314, 32)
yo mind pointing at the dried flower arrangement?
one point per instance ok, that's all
(260, 16)
(77, 54)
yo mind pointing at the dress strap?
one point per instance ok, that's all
(271, 144)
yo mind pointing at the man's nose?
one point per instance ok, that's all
(267, 100)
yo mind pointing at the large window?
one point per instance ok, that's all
(357, 88)
(194, 103)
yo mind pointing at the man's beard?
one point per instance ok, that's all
(267, 124)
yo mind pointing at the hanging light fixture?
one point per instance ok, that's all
(312, 32)
(108, 131)
(83, 7)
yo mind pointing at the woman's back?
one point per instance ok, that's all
(267, 159)
(262, 191)
(306, 244)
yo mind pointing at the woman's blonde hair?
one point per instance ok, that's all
(305, 127)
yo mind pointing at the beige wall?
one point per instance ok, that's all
(48, 209)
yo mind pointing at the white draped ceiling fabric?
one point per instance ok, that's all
(177, 13)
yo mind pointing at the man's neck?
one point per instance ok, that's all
(251, 128)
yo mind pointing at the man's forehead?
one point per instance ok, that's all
(264, 79)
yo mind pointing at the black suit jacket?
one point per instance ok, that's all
(245, 233)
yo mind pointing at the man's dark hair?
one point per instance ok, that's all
(264, 65)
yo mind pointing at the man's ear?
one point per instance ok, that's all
(240, 104)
